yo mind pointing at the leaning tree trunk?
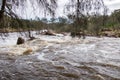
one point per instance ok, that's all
(78, 16)
(2, 9)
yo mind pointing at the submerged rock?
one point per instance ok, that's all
(20, 40)
(28, 51)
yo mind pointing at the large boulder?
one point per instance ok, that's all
(20, 40)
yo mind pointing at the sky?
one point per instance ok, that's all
(112, 4)
(29, 12)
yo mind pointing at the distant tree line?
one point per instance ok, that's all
(90, 23)
(82, 16)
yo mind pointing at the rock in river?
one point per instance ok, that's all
(20, 40)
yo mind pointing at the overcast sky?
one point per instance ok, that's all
(111, 4)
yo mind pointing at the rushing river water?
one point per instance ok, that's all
(62, 58)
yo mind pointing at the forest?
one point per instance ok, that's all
(91, 23)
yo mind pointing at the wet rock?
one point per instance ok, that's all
(73, 34)
(49, 32)
(76, 34)
(20, 40)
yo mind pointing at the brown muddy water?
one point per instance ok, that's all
(63, 59)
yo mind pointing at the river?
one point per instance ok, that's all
(60, 58)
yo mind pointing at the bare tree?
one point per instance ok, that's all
(2, 8)
(81, 9)
(9, 7)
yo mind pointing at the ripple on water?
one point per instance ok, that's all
(40, 56)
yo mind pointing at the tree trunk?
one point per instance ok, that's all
(2, 9)
(77, 15)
